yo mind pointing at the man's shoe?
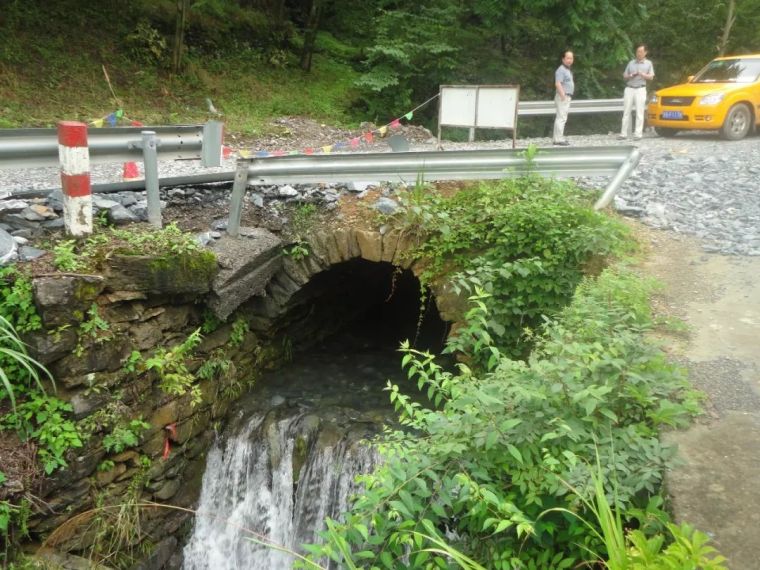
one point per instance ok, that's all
(561, 143)
(621, 137)
(637, 138)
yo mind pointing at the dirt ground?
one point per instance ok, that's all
(716, 487)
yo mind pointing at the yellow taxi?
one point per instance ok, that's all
(724, 96)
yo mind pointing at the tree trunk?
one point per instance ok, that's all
(730, 19)
(179, 34)
(310, 35)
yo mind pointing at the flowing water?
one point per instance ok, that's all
(290, 456)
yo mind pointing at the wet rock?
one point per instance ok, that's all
(159, 555)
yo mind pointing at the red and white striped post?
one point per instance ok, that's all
(74, 156)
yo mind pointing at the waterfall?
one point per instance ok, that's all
(279, 476)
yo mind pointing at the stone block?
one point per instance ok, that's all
(247, 264)
(104, 478)
(168, 489)
(65, 299)
(48, 346)
(191, 273)
(348, 247)
(97, 357)
(370, 245)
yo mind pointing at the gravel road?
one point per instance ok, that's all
(693, 184)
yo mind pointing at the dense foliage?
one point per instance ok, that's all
(526, 242)
(499, 465)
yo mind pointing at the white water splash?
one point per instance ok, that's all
(249, 486)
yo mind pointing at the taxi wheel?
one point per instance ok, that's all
(737, 123)
(665, 131)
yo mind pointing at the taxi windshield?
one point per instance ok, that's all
(729, 71)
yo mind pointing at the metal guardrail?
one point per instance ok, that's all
(406, 167)
(31, 148)
(536, 108)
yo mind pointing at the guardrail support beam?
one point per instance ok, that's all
(236, 200)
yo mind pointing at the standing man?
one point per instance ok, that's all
(636, 74)
(563, 82)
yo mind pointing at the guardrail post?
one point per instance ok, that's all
(236, 200)
(213, 141)
(150, 161)
(74, 157)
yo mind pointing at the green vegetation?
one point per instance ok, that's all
(34, 414)
(494, 457)
(125, 436)
(170, 367)
(168, 245)
(526, 242)
(496, 470)
(342, 62)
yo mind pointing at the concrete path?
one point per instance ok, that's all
(717, 488)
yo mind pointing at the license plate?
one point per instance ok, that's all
(677, 115)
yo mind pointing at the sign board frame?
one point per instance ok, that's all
(478, 106)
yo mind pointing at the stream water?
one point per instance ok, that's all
(293, 447)
(290, 456)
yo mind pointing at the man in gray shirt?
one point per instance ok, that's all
(636, 74)
(563, 82)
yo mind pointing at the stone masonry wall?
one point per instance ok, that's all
(147, 307)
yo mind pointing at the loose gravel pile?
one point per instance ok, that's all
(694, 184)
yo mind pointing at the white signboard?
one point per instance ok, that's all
(479, 106)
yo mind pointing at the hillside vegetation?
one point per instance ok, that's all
(337, 61)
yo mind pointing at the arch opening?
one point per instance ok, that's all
(366, 304)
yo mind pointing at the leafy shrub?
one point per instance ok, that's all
(125, 436)
(497, 448)
(41, 417)
(525, 241)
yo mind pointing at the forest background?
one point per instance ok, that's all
(336, 61)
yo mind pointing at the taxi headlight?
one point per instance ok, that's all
(712, 99)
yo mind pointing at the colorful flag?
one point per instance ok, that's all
(136, 124)
(244, 153)
(98, 122)
(382, 130)
(354, 142)
(292, 152)
(262, 153)
(339, 145)
(308, 150)
(119, 113)
(327, 149)
(111, 119)
(395, 123)
(409, 115)
(278, 153)
(369, 137)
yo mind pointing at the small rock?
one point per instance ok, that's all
(31, 215)
(119, 215)
(103, 203)
(176, 193)
(26, 253)
(12, 205)
(256, 199)
(386, 206)
(287, 191)
(7, 247)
